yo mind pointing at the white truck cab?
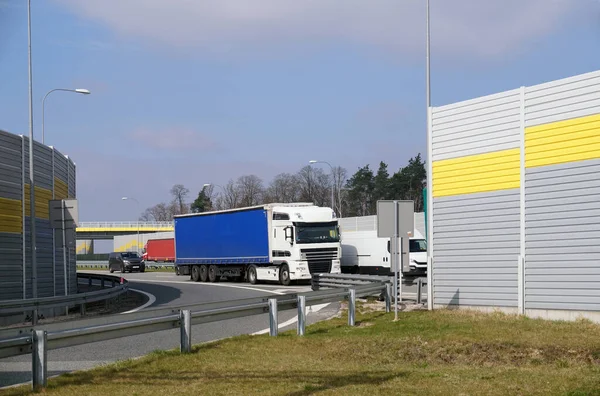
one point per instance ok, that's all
(306, 238)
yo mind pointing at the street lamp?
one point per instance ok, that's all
(32, 238)
(78, 90)
(429, 203)
(332, 181)
(138, 222)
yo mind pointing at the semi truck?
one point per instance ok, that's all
(272, 242)
(159, 250)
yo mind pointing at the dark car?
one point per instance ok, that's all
(125, 262)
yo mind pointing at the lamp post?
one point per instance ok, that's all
(332, 180)
(138, 222)
(78, 90)
(33, 247)
(429, 203)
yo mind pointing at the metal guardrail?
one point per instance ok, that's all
(320, 281)
(39, 340)
(125, 224)
(118, 286)
(104, 264)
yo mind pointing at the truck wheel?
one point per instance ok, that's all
(252, 275)
(203, 273)
(196, 273)
(212, 273)
(284, 275)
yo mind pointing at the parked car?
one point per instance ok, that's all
(125, 262)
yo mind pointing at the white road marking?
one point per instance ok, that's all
(311, 308)
(208, 284)
(151, 300)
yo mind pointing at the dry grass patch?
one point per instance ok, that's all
(440, 352)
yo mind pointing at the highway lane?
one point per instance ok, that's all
(170, 291)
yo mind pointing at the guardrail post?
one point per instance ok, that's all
(185, 326)
(273, 322)
(102, 283)
(39, 360)
(90, 282)
(351, 306)
(301, 315)
(388, 298)
(82, 309)
(419, 290)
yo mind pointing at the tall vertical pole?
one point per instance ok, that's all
(429, 173)
(396, 263)
(31, 183)
(428, 71)
(63, 206)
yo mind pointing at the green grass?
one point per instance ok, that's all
(441, 352)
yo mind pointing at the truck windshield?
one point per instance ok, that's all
(317, 232)
(418, 245)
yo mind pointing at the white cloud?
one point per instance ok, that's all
(484, 28)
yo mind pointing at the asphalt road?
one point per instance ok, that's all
(167, 290)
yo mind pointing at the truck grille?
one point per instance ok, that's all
(319, 260)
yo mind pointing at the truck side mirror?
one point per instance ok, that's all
(388, 247)
(289, 234)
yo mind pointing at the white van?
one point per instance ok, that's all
(364, 253)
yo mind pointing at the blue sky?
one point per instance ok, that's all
(205, 91)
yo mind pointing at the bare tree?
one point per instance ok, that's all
(283, 189)
(314, 186)
(180, 193)
(251, 190)
(231, 196)
(159, 212)
(340, 176)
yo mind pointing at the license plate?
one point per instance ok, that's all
(136, 266)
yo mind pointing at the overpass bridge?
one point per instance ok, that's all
(109, 229)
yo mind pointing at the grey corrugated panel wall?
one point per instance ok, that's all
(60, 172)
(553, 220)
(476, 228)
(476, 249)
(11, 241)
(562, 199)
(14, 172)
(72, 250)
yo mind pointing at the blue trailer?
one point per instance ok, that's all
(277, 242)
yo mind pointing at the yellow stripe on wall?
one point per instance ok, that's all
(42, 196)
(11, 219)
(499, 170)
(61, 190)
(563, 141)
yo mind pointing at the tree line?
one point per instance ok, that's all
(353, 196)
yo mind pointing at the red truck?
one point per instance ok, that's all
(159, 250)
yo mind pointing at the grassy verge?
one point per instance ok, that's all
(441, 352)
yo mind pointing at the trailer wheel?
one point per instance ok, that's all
(284, 275)
(252, 275)
(203, 273)
(195, 273)
(212, 273)
(177, 271)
